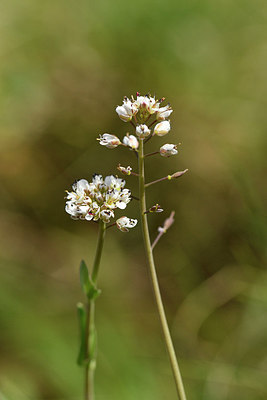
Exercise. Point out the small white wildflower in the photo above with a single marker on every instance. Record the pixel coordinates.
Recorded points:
(163, 113)
(131, 141)
(105, 215)
(127, 110)
(148, 103)
(124, 223)
(162, 128)
(142, 131)
(168, 150)
(97, 199)
(110, 141)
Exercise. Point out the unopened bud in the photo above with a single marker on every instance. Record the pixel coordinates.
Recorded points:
(142, 131)
(168, 150)
(131, 141)
(178, 174)
(162, 128)
(167, 223)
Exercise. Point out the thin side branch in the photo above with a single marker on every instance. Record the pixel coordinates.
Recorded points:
(151, 154)
(133, 124)
(167, 224)
(167, 178)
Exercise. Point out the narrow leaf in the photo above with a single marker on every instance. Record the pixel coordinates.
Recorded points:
(84, 277)
(87, 284)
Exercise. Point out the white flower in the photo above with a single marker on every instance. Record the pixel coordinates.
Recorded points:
(142, 131)
(105, 215)
(110, 141)
(127, 110)
(164, 112)
(162, 128)
(124, 223)
(131, 141)
(148, 103)
(97, 199)
(168, 150)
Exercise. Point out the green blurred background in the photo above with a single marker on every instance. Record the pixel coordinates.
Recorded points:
(64, 67)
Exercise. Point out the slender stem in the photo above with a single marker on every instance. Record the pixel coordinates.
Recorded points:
(100, 243)
(90, 322)
(159, 180)
(156, 289)
(111, 225)
(151, 154)
(157, 240)
(135, 198)
(152, 123)
(168, 177)
(149, 137)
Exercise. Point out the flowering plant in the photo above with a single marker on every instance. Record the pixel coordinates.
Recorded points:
(97, 201)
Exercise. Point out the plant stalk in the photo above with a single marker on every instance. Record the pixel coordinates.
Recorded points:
(90, 322)
(154, 279)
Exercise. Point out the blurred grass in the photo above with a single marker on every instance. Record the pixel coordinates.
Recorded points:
(64, 67)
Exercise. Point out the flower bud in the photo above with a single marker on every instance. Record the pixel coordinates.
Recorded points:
(167, 223)
(162, 128)
(110, 141)
(178, 174)
(124, 223)
(168, 150)
(163, 113)
(142, 131)
(131, 141)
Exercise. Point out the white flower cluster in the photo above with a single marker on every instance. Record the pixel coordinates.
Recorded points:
(141, 109)
(138, 111)
(98, 200)
(145, 105)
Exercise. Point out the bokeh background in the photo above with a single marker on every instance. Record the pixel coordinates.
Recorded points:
(64, 67)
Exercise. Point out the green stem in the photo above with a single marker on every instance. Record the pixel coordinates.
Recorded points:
(90, 322)
(153, 274)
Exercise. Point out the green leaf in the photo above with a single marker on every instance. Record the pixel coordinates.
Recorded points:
(82, 323)
(84, 277)
(87, 284)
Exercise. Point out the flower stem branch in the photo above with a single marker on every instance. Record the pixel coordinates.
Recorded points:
(167, 223)
(152, 123)
(135, 198)
(149, 137)
(111, 225)
(151, 154)
(168, 177)
(153, 274)
(90, 322)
